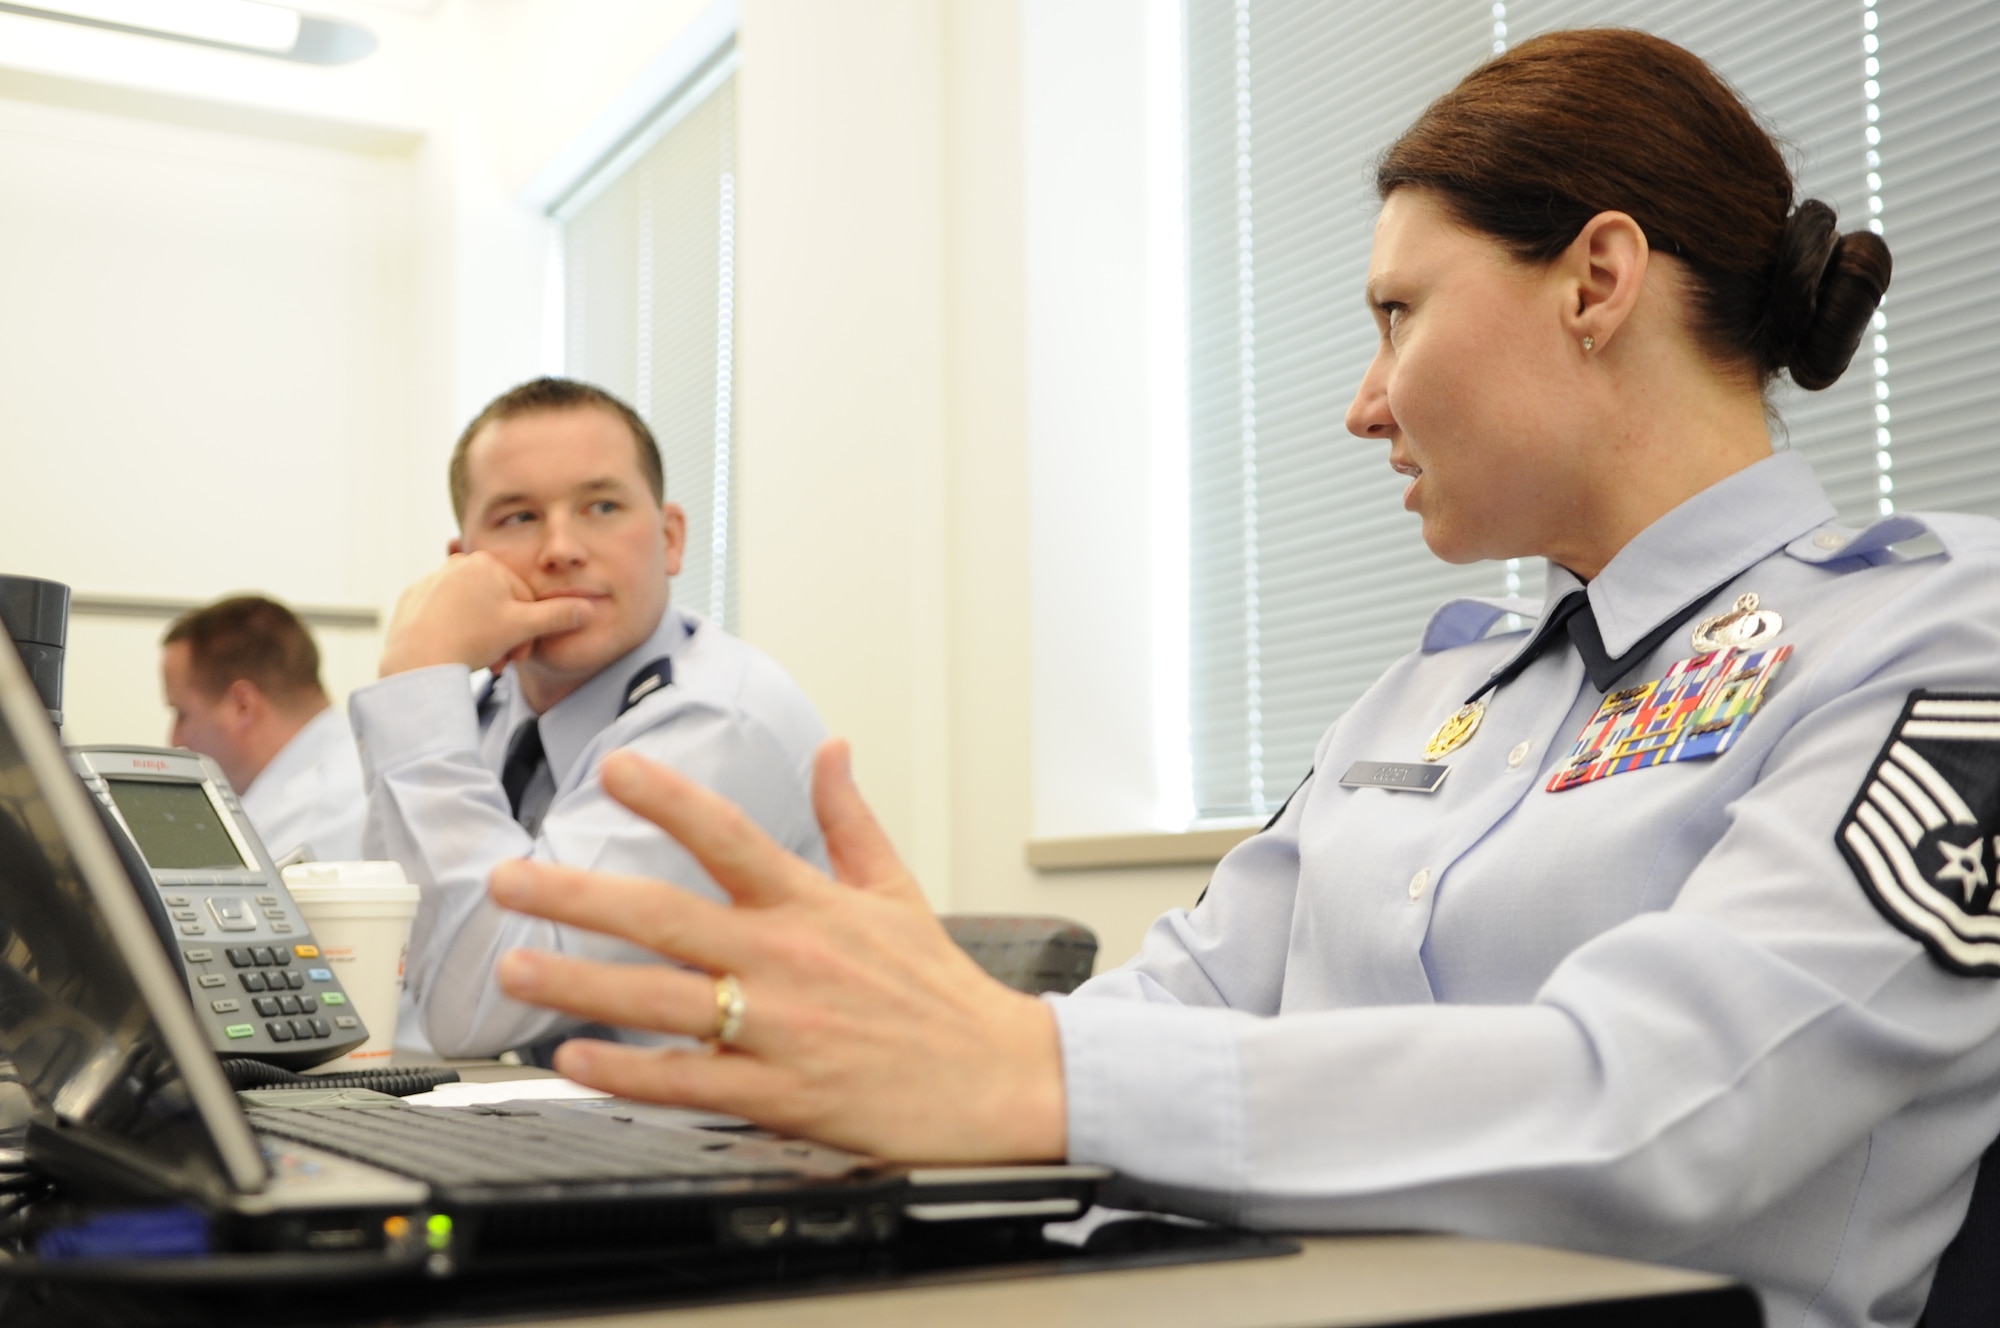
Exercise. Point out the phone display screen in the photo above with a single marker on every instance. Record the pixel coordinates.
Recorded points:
(175, 825)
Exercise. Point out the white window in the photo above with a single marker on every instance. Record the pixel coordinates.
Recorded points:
(1307, 576)
(648, 307)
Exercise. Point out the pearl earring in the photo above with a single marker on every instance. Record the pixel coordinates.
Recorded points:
(1590, 343)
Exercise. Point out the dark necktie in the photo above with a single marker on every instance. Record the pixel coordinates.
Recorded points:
(1573, 614)
(525, 759)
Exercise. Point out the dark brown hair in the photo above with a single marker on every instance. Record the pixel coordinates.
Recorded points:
(248, 636)
(547, 394)
(1536, 142)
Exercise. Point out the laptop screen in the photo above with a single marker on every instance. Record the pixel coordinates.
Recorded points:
(92, 1016)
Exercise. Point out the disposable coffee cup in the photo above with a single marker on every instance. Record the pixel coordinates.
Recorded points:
(360, 915)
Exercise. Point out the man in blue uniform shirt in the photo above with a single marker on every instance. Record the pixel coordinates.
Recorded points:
(557, 583)
(242, 678)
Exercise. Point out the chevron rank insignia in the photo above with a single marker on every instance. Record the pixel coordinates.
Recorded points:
(1921, 835)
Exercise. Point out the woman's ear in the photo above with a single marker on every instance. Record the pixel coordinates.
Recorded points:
(1602, 271)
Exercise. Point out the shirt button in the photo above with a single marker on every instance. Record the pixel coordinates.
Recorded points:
(1418, 882)
(1829, 540)
(1519, 754)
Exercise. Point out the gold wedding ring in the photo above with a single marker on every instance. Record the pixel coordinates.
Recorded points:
(729, 1009)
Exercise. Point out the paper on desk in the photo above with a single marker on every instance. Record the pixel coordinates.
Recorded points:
(506, 1090)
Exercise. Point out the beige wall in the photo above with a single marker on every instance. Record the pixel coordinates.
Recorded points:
(207, 351)
(886, 508)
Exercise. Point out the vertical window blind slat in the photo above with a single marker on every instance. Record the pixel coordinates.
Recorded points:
(649, 309)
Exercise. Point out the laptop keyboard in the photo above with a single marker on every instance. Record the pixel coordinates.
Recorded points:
(518, 1144)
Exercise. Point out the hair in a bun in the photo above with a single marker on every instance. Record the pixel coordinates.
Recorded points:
(1823, 293)
(1534, 143)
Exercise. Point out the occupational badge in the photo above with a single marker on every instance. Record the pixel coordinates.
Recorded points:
(1921, 835)
(1742, 626)
(1697, 710)
(1455, 732)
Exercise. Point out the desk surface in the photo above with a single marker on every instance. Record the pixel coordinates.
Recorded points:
(1336, 1281)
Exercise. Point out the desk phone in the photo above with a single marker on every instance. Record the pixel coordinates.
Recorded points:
(258, 982)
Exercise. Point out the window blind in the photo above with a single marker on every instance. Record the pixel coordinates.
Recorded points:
(649, 288)
(1307, 578)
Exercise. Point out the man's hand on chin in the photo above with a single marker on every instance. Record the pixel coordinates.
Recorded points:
(475, 612)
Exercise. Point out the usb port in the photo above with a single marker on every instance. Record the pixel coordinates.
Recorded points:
(827, 1224)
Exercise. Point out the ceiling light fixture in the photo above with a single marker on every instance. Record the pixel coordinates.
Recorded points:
(235, 25)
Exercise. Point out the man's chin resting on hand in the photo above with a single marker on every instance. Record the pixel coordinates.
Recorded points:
(558, 584)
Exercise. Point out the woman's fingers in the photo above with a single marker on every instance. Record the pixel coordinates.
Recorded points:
(728, 844)
(729, 1084)
(861, 854)
(663, 918)
(657, 999)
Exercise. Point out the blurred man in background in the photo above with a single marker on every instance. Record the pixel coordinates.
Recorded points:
(242, 678)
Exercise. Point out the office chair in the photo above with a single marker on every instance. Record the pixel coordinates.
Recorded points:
(1966, 1291)
(1027, 953)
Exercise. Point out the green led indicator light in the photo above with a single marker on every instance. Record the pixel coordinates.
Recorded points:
(439, 1227)
(241, 1030)
(332, 998)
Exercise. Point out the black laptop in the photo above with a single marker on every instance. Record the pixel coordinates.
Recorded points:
(149, 1155)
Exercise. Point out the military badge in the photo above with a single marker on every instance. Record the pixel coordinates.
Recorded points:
(1921, 833)
(1697, 710)
(1743, 625)
(1456, 731)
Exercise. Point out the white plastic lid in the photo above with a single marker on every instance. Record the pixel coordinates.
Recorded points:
(345, 873)
(342, 879)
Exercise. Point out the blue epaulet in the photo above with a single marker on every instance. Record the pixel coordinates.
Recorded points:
(1460, 622)
(1833, 541)
(658, 674)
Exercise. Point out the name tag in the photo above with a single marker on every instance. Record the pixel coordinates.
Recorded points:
(1390, 775)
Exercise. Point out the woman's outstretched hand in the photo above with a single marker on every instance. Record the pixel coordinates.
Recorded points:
(863, 1024)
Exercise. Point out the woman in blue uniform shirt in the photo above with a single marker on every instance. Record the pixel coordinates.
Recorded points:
(1660, 929)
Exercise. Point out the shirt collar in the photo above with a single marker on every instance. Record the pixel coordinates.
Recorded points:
(570, 724)
(305, 749)
(1700, 545)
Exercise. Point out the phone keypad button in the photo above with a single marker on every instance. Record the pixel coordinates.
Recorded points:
(280, 1030)
(252, 981)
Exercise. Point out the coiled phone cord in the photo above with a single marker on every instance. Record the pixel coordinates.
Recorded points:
(243, 1073)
